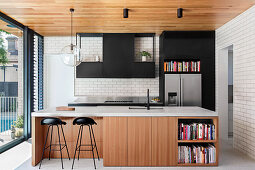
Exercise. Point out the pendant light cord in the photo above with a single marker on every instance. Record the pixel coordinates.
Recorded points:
(72, 11)
(71, 27)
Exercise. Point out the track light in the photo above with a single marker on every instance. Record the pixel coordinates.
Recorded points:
(125, 13)
(179, 12)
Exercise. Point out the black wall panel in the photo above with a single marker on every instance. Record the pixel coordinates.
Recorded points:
(192, 45)
(118, 52)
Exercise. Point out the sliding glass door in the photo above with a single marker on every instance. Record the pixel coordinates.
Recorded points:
(11, 84)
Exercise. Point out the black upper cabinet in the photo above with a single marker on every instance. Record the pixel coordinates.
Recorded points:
(118, 60)
(89, 70)
(118, 52)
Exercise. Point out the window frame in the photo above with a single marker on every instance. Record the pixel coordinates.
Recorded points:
(28, 52)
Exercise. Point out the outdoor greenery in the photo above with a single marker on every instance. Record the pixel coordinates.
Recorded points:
(19, 123)
(3, 52)
(145, 53)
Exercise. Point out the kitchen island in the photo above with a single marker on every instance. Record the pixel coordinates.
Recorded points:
(129, 137)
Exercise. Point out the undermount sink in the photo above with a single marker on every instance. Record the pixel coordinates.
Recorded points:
(143, 107)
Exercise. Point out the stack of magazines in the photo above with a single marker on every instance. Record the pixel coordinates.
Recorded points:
(196, 131)
(196, 154)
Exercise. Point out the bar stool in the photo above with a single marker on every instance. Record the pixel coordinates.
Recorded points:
(51, 122)
(85, 121)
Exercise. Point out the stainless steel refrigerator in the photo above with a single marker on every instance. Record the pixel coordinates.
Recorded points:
(183, 90)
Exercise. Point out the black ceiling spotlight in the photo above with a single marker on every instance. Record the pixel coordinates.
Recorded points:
(179, 12)
(125, 13)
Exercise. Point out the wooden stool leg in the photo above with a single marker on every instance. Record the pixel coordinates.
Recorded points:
(60, 148)
(65, 141)
(44, 146)
(76, 146)
(80, 142)
(92, 148)
(95, 142)
(50, 141)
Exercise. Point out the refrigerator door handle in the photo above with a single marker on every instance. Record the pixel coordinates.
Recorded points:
(182, 90)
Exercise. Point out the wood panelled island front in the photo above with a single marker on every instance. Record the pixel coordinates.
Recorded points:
(126, 140)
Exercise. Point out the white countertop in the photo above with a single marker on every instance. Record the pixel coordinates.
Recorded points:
(111, 111)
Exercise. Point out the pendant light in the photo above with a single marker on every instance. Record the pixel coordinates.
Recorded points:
(71, 54)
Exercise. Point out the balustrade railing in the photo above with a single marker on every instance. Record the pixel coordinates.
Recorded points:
(8, 113)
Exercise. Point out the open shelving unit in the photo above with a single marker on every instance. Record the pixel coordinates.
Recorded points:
(197, 141)
(188, 65)
(198, 164)
(215, 142)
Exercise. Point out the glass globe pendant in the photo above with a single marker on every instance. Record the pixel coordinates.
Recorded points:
(71, 54)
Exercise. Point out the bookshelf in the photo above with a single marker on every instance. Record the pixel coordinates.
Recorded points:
(197, 141)
(182, 66)
(197, 164)
(205, 143)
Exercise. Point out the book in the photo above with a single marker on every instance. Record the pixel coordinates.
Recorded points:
(181, 66)
(197, 154)
(196, 131)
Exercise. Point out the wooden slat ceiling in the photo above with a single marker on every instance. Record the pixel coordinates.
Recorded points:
(14, 31)
(52, 17)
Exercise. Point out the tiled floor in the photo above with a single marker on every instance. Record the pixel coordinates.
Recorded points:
(16, 156)
(229, 160)
(5, 137)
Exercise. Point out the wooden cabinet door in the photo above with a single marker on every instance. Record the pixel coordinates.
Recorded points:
(139, 141)
(115, 141)
(164, 141)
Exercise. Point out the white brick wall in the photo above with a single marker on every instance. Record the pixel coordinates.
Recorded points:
(240, 32)
(103, 86)
(91, 47)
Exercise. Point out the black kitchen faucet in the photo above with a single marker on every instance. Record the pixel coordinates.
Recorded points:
(148, 99)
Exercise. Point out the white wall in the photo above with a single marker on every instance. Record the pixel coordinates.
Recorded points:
(60, 82)
(240, 32)
(222, 97)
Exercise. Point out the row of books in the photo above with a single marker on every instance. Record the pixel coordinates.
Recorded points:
(184, 66)
(196, 154)
(196, 131)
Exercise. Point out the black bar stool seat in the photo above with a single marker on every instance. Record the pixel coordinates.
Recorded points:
(51, 122)
(85, 121)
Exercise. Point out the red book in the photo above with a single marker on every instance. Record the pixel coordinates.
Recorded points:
(203, 131)
(184, 132)
(187, 132)
(207, 134)
(181, 134)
